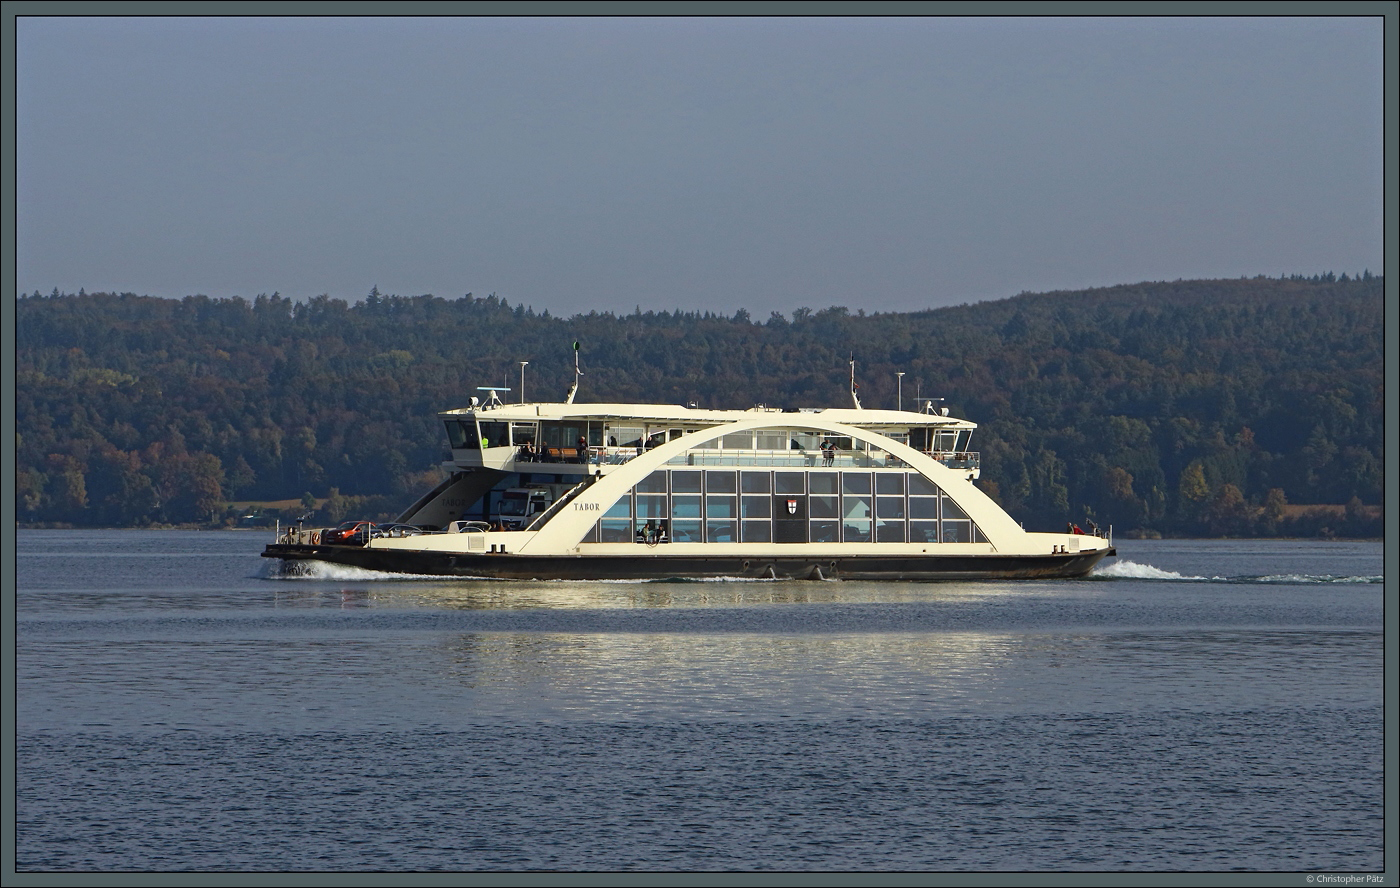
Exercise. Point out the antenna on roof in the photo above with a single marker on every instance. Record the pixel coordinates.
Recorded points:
(855, 398)
(573, 389)
(493, 396)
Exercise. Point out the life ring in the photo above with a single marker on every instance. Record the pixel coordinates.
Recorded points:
(315, 538)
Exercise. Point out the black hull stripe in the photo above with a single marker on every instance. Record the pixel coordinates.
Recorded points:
(645, 567)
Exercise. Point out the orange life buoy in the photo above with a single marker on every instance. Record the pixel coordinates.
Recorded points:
(315, 538)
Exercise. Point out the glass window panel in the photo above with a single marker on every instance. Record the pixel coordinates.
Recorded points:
(686, 531)
(889, 506)
(685, 482)
(824, 507)
(789, 482)
(686, 506)
(720, 507)
(523, 433)
(977, 536)
(458, 436)
(951, 510)
(825, 531)
(823, 482)
(923, 531)
(855, 506)
(620, 509)
(653, 483)
(757, 531)
(921, 486)
(497, 434)
(757, 482)
(923, 507)
(722, 531)
(592, 535)
(737, 441)
(720, 482)
(957, 531)
(615, 531)
(757, 507)
(650, 505)
(889, 532)
(855, 531)
(624, 436)
(646, 531)
(855, 482)
(771, 441)
(889, 482)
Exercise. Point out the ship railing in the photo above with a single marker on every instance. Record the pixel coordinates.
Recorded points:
(957, 459)
(296, 535)
(849, 459)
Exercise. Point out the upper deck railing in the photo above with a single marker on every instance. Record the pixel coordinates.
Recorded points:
(864, 459)
(566, 459)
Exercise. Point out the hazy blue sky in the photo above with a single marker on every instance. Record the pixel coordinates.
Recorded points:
(577, 164)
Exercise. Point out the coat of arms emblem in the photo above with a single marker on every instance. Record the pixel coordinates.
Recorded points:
(792, 507)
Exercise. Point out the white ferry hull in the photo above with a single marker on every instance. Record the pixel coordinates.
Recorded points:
(660, 566)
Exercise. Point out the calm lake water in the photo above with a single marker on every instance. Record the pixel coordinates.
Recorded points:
(1193, 705)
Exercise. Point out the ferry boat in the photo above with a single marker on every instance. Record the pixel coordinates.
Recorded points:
(636, 491)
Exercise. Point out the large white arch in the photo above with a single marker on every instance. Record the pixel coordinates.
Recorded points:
(567, 529)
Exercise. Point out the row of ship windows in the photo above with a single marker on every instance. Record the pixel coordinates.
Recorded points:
(721, 481)
(465, 434)
(785, 507)
(678, 530)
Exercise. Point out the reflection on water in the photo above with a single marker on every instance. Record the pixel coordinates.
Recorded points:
(905, 675)
(597, 595)
(612, 677)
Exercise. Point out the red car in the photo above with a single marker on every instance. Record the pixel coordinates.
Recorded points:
(350, 532)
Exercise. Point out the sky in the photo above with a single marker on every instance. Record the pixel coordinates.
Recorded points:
(883, 164)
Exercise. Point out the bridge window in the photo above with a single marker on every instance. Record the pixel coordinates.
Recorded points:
(462, 435)
(496, 434)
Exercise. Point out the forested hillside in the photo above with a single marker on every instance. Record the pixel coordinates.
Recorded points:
(1194, 407)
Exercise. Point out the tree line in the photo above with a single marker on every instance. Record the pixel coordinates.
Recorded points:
(1182, 408)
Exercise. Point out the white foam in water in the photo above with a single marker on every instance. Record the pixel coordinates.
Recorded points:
(1132, 570)
(323, 570)
(1306, 578)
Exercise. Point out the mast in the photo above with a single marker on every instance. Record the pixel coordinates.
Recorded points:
(855, 398)
(573, 389)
